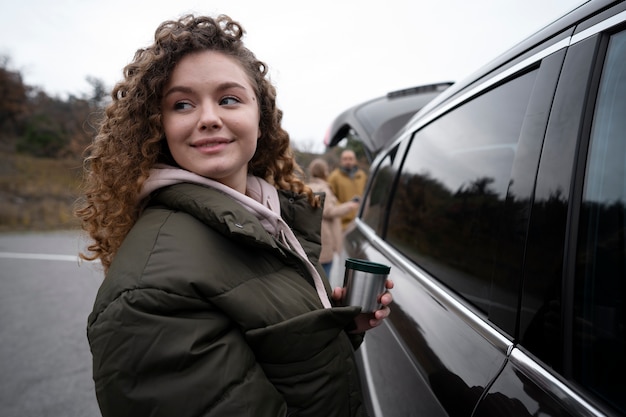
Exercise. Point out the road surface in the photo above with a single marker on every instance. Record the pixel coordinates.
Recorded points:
(45, 298)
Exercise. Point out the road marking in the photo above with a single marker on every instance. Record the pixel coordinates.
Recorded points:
(40, 256)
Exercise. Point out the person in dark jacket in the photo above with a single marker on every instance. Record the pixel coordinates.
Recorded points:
(212, 302)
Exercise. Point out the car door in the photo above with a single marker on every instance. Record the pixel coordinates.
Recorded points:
(436, 211)
(570, 358)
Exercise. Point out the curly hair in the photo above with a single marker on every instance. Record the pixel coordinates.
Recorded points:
(131, 139)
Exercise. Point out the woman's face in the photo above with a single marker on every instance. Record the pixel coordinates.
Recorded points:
(210, 115)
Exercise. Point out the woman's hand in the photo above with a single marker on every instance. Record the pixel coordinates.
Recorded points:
(367, 321)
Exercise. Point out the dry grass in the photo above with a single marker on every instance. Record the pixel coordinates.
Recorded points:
(37, 193)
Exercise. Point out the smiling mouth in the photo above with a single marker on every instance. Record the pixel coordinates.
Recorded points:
(211, 143)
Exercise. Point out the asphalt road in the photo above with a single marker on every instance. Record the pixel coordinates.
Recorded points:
(45, 298)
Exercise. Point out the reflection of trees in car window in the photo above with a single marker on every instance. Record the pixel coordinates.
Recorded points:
(445, 214)
(379, 193)
(599, 322)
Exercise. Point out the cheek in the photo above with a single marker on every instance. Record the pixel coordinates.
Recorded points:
(166, 124)
(173, 137)
(168, 142)
(253, 145)
(174, 130)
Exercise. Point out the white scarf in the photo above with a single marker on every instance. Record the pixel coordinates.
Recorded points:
(261, 200)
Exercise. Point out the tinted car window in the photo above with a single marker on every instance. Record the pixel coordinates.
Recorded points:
(379, 192)
(452, 189)
(546, 258)
(599, 322)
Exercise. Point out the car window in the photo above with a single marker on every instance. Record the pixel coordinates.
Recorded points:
(453, 185)
(599, 322)
(375, 206)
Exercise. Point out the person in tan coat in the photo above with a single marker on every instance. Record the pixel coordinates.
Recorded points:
(347, 182)
(333, 212)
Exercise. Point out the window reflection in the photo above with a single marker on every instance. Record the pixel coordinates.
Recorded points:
(378, 196)
(600, 314)
(446, 211)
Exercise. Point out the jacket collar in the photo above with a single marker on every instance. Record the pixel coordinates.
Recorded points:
(261, 200)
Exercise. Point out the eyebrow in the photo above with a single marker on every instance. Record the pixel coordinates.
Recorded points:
(221, 87)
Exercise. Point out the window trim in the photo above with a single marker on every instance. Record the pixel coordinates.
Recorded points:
(599, 27)
(552, 384)
(522, 66)
(440, 292)
(548, 50)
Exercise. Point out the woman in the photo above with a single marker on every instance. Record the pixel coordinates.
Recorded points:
(332, 214)
(212, 302)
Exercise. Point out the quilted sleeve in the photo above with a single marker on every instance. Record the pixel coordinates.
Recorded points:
(161, 354)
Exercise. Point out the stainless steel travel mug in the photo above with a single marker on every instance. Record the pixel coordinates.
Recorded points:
(364, 282)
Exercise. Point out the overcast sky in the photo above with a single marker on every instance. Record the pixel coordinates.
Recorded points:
(323, 55)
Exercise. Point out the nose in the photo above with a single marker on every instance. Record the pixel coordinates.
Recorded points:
(209, 116)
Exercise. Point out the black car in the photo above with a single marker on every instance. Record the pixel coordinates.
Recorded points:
(501, 209)
(375, 121)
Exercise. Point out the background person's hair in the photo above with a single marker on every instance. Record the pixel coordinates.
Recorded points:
(131, 137)
(318, 168)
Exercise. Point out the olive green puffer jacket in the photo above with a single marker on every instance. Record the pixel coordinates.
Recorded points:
(203, 313)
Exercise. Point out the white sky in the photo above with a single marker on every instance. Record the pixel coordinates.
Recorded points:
(323, 55)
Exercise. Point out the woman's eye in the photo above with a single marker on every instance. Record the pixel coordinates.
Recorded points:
(182, 105)
(229, 101)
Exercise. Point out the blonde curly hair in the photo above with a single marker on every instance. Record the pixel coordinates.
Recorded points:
(131, 139)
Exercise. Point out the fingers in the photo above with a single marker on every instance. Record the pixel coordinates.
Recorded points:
(367, 321)
(386, 299)
(375, 323)
(381, 314)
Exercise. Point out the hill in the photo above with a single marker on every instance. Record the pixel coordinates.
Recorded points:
(37, 193)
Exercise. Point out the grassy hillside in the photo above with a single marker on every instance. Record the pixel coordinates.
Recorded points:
(37, 193)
